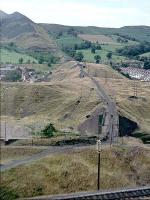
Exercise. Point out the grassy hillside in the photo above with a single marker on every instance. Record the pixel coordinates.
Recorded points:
(25, 34)
(35, 105)
(77, 171)
(68, 41)
(108, 43)
(137, 110)
(89, 57)
(9, 154)
(13, 57)
(140, 33)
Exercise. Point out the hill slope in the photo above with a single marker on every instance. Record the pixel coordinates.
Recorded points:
(68, 99)
(20, 30)
(140, 33)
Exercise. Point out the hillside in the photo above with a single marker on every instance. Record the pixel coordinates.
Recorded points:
(67, 99)
(38, 104)
(76, 170)
(27, 35)
(13, 57)
(140, 33)
(23, 32)
(18, 28)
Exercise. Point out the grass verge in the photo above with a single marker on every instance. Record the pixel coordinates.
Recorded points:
(11, 153)
(77, 171)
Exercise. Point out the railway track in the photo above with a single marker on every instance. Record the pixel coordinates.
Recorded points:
(126, 194)
(112, 117)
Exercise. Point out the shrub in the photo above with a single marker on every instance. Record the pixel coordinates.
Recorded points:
(97, 58)
(7, 194)
(20, 60)
(79, 56)
(49, 130)
(109, 55)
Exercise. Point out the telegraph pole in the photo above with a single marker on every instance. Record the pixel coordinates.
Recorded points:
(5, 132)
(99, 148)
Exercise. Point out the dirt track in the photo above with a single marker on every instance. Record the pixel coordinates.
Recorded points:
(44, 153)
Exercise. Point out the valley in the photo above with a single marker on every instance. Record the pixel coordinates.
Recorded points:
(63, 88)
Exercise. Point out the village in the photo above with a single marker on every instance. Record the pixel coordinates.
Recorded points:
(136, 73)
(24, 72)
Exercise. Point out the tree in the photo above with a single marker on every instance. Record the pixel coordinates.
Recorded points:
(49, 64)
(97, 58)
(75, 46)
(147, 64)
(98, 47)
(93, 49)
(79, 56)
(49, 130)
(109, 55)
(41, 60)
(20, 60)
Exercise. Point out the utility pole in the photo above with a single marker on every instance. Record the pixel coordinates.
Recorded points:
(111, 130)
(5, 132)
(99, 148)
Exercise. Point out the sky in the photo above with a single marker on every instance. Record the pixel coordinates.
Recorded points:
(102, 13)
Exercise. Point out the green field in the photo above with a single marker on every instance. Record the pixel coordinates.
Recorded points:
(13, 57)
(69, 41)
(89, 57)
(112, 47)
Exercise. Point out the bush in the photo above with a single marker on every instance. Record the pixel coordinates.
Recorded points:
(44, 57)
(7, 194)
(93, 49)
(49, 64)
(147, 64)
(20, 60)
(49, 130)
(97, 58)
(134, 50)
(79, 56)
